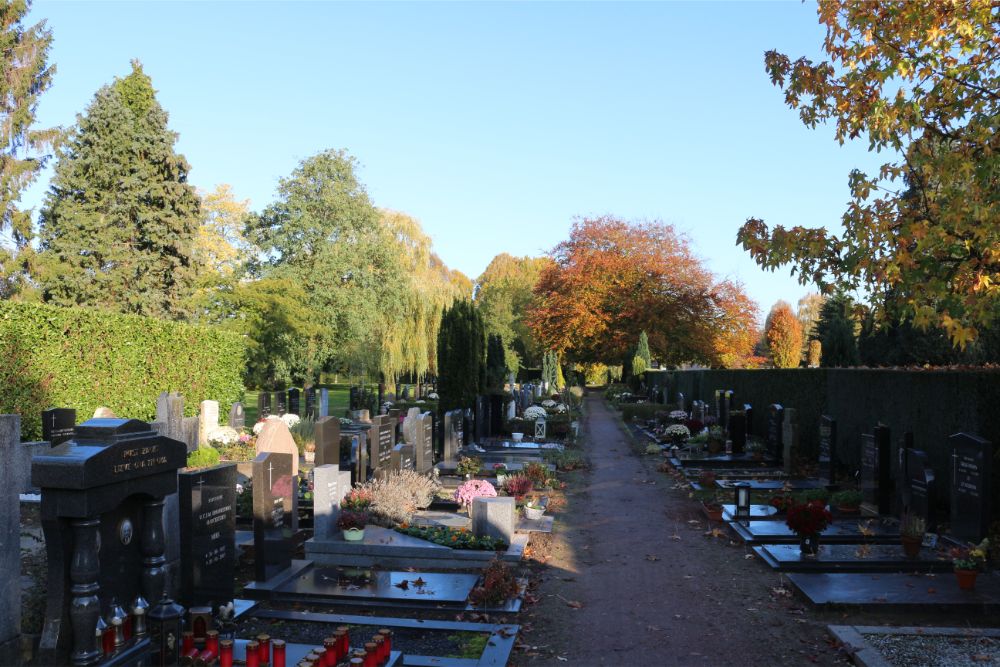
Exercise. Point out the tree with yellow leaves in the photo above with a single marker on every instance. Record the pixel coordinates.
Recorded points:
(920, 80)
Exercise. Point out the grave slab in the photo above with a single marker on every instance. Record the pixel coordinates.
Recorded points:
(851, 558)
(757, 512)
(846, 532)
(543, 525)
(772, 485)
(434, 518)
(887, 591)
(386, 586)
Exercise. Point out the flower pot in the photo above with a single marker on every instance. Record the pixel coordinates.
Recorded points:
(966, 579)
(354, 534)
(809, 544)
(911, 545)
(712, 511)
(517, 436)
(532, 514)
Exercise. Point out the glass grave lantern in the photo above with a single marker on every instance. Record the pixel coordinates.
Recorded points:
(164, 626)
(742, 501)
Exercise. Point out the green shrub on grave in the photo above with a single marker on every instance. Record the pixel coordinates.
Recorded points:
(203, 457)
(641, 410)
(83, 358)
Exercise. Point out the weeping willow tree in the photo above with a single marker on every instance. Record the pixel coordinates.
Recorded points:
(409, 328)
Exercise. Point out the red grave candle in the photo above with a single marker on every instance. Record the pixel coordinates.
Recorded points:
(278, 649)
(226, 653)
(253, 654)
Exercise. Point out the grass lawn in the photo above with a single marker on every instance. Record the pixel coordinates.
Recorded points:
(340, 395)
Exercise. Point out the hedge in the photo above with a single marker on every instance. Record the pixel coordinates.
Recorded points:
(83, 358)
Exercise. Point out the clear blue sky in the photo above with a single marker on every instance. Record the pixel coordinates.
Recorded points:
(493, 124)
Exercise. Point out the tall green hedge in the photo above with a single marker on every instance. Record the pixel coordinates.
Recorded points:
(83, 358)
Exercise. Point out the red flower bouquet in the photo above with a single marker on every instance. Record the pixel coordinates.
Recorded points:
(810, 518)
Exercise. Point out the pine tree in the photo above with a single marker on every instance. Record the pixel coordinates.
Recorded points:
(26, 75)
(496, 364)
(461, 356)
(120, 220)
(835, 331)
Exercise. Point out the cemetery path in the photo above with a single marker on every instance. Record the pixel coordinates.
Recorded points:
(635, 576)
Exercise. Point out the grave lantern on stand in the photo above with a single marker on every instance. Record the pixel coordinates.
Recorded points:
(164, 624)
(742, 501)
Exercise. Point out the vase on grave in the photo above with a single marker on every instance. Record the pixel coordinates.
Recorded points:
(911, 545)
(354, 534)
(966, 579)
(809, 544)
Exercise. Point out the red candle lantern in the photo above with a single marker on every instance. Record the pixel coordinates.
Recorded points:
(226, 653)
(253, 654)
(278, 648)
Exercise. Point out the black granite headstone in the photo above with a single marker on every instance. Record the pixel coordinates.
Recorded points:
(208, 535)
(900, 475)
(828, 448)
(748, 411)
(263, 405)
(482, 418)
(971, 486)
(295, 401)
(876, 466)
(58, 425)
(327, 437)
(354, 401)
(424, 449)
(237, 416)
(274, 501)
(738, 431)
(775, 431)
(311, 404)
(496, 415)
(279, 406)
(382, 442)
(727, 403)
(102, 513)
(919, 481)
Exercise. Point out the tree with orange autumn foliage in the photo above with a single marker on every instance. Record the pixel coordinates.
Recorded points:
(612, 279)
(784, 336)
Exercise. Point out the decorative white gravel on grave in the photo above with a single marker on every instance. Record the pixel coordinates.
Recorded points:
(936, 651)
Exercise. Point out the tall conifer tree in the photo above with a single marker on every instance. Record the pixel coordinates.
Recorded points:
(120, 219)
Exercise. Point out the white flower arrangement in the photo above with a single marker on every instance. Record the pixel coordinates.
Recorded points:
(561, 407)
(677, 431)
(223, 435)
(678, 414)
(259, 426)
(548, 403)
(433, 396)
(534, 412)
(290, 419)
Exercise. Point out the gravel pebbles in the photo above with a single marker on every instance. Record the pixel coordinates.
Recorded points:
(936, 651)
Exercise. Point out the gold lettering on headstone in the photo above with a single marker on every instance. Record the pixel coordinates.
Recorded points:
(139, 458)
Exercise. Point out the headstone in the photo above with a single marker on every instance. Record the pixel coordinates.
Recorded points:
(237, 417)
(451, 445)
(920, 483)
(327, 437)
(482, 418)
(275, 437)
(354, 401)
(10, 541)
(102, 514)
(790, 438)
(275, 504)
(191, 426)
(971, 486)
(511, 410)
(410, 426)
(311, 403)
(402, 458)
(775, 424)
(323, 407)
(207, 535)
(208, 420)
(717, 406)
(494, 517)
(279, 405)
(330, 485)
(496, 415)
(424, 449)
(899, 452)
(680, 402)
(170, 411)
(876, 464)
(295, 401)
(359, 456)
(58, 425)
(828, 448)
(263, 405)
(362, 416)
(727, 405)
(748, 411)
(738, 432)
(540, 428)
(382, 441)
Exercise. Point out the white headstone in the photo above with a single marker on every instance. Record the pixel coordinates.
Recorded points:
(208, 420)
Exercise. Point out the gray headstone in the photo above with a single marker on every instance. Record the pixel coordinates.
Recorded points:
(279, 404)
(402, 458)
(323, 406)
(383, 440)
(424, 448)
(327, 436)
(263, 405)
(10, 540)
(208, 420)
(237, 417)
(295, 401)
(494, 517)
(828, 448)
(170, 411)
(330, 485)
(876, 465)
(190, 426)
(775, 431)
(789, 438)
(680, 401)
(310, 394)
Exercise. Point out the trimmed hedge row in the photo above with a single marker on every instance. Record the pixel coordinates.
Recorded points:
(83, 358)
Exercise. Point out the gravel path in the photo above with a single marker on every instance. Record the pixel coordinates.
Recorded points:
(634, 579)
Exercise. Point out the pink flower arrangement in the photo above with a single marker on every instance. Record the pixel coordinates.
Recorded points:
(472, 489)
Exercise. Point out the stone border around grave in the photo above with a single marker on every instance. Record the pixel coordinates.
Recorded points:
(866, 655)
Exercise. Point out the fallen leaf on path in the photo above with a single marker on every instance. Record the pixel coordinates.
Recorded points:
(676, 537)
(651, 557)
(575, 604)
(748, 556)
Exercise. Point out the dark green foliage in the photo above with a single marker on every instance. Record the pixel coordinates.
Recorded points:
(835, 330)
(84, 358)
(26, 75)
(461, 356)
(118, 225)
(902, 344)
(496, 364)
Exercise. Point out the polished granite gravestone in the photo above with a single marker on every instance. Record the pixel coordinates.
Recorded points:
(207, 535)
(852, 558)
(295, 401)
(382, 441)
(310, 396)
(723, 461)
(972, 486)
(237, 416)
(919, 483)
(898, 591)
(326, 434)
(828, 448)
(102, 513)
(738, 432)
(275, 505)
(862, 531)
(263, 405)
(323, 403)
(757, 512)
(423, 449)
(58, 425)
(876, 469)
(402, 458)
(775, 432)
(279, 403)
(772, 485)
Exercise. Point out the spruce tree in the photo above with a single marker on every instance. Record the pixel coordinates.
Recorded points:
(119, 221)
(26, 75)
(461, 356)
(496, 364)
(835, 331)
